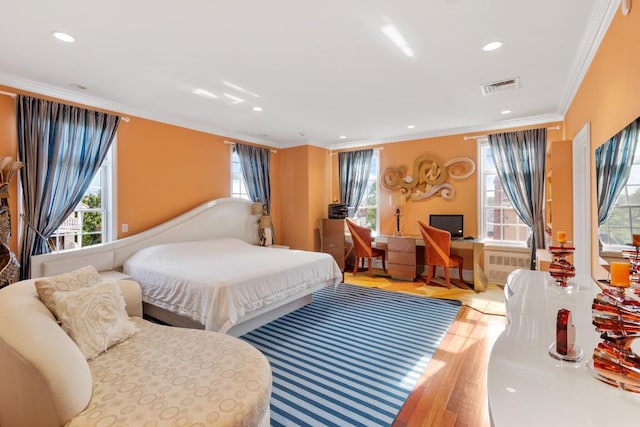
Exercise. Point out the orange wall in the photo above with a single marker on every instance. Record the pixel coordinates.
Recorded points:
(304, 183)
(162, 170)
(465, 200)
(608, 97)
(165, 170)
(9, 148)
(318, 185)
(562, 188)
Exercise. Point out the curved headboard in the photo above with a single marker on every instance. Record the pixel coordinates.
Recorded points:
(227, 217)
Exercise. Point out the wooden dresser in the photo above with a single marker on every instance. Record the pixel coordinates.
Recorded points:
(332, 239)
(401, 256)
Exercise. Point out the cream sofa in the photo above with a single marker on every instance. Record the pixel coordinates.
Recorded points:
(161, 375)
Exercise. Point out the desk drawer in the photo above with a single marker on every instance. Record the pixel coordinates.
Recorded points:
(403, 258)
(402, 271)
(400, 244)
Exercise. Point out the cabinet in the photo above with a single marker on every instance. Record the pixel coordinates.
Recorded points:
(558, 194)
(401, 256)
(332, 239)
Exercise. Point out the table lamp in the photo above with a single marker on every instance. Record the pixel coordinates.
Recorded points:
(397, 201)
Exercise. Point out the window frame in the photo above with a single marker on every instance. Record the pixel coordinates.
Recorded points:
(629, 207)
(236, 178)
(374, 173)
(108, 209)
(482, 144)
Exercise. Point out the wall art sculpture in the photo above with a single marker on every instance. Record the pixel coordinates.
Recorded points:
(428, 177)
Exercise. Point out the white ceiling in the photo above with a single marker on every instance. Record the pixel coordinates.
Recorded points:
(318, 69)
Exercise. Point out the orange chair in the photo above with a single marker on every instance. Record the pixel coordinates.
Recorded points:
(361, 237)
(437, 244)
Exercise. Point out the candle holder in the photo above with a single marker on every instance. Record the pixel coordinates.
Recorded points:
(616, 315)
(561, 268)
(633, 257)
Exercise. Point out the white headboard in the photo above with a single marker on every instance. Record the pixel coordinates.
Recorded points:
(228, 217)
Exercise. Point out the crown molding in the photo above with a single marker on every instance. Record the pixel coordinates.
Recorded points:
(501, 125)
(120, 109)
(601, 17)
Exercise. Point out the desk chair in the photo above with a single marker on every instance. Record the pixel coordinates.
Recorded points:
(361, 237)
(437, 244)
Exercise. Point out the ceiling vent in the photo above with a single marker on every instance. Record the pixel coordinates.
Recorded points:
(501, 86)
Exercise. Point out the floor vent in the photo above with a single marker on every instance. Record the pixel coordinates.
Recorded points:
(499, 264)
(501, 86)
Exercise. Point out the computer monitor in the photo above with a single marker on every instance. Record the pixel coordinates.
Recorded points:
(454, 224)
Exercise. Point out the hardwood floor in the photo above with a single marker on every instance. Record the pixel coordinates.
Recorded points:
(452, 390)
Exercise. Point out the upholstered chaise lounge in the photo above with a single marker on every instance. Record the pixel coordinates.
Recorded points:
(160, 375)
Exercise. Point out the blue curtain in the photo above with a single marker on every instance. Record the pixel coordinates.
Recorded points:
(614, 159)
(255, 167)
(520, 162)
(62, 148)
(353, 173)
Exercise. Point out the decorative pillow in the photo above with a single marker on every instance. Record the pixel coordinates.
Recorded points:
(94, 317)
(84, 276)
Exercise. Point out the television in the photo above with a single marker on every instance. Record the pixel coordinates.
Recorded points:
(454, 224)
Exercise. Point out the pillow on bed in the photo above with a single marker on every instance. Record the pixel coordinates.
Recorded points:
(94, 317)
(85, 276)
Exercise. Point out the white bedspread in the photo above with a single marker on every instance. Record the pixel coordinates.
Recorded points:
(217, 282)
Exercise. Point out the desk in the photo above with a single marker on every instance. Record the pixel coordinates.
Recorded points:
(476, 246)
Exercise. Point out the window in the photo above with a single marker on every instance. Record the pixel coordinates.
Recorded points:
(90, 222)
(367, 213)
(498, 220)
(625, 216)
(238, 189)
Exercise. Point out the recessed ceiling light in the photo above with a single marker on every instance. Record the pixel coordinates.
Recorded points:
(239, 88)
(394, 35)
(411, 126)
(343, 137)
(63, 36)
(505, 112)
(257, 108)
(492, 46)
(204, 93)
(234, 99)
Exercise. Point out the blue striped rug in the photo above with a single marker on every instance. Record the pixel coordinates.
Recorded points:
(352, 357)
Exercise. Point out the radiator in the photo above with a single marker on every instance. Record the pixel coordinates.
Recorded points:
(498, 264)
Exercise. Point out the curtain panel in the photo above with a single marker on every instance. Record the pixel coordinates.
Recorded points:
(62, 148)
(614, 159)
(353, 173)
(519, 158)
(255, 165)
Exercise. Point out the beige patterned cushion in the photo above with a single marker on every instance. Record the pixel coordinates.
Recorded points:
(167, 376)
(84, 276)
(94, 317)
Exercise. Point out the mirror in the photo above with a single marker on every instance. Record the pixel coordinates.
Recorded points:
(618, 172)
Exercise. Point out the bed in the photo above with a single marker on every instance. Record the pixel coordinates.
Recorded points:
(204, 269)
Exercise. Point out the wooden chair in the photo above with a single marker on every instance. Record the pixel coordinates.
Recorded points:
(437, 246)
(361, 237)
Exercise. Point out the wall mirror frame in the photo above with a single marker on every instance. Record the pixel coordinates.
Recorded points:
(581, 159)
(610, 245)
